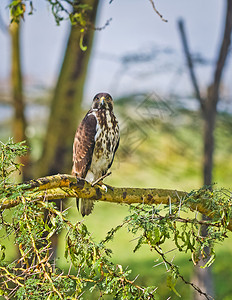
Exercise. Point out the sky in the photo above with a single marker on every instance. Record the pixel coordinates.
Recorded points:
(134, 29)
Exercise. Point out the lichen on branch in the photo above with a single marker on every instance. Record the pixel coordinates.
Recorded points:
(63, 186)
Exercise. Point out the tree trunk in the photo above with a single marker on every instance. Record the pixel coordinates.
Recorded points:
(66, 103)
(209, 115)
(19, 120)
(203, 276)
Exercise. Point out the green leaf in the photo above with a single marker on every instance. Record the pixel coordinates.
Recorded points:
(83, 48)
(211, 260)
(171, 282)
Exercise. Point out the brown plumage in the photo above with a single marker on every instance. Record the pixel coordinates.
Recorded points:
(95, 143)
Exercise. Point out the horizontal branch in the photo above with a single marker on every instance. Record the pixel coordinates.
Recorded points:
(63, 186)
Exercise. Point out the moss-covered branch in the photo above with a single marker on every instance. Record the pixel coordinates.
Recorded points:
(63, 186)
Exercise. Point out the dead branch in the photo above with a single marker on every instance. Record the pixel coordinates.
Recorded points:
(223, 52)
(153, 5)
(190, 63)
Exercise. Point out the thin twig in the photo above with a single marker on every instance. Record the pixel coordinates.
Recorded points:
(171, 265)
(190, 63)
(153, 5)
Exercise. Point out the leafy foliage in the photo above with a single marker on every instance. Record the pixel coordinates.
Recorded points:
(154, 226)
(157, 228)
(77, 12)
(33, 274)
(34, 222)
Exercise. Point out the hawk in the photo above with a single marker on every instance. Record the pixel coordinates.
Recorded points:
(95, 143)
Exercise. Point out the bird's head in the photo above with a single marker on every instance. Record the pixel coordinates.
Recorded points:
(102, 101)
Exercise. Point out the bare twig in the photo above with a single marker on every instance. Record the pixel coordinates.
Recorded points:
(172, 267)
(190, 63)
(107, 23)
(153, 5)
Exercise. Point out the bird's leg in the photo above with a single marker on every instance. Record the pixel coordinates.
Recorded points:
(101, 178)
(77, 199)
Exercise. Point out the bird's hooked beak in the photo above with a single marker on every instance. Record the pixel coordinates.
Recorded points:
(102, 101)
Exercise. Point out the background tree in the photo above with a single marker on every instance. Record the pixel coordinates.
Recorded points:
(19, 120)
(208, 107)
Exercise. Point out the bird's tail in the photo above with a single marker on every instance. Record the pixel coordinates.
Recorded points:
(86, 206)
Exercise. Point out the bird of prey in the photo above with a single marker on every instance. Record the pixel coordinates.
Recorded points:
(95, 143)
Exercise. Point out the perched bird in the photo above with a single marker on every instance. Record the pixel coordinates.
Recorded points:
(95, 143)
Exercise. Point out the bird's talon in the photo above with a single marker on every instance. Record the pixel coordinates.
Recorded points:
(104, 187)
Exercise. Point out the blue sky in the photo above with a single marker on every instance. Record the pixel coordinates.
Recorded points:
(135, 28)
